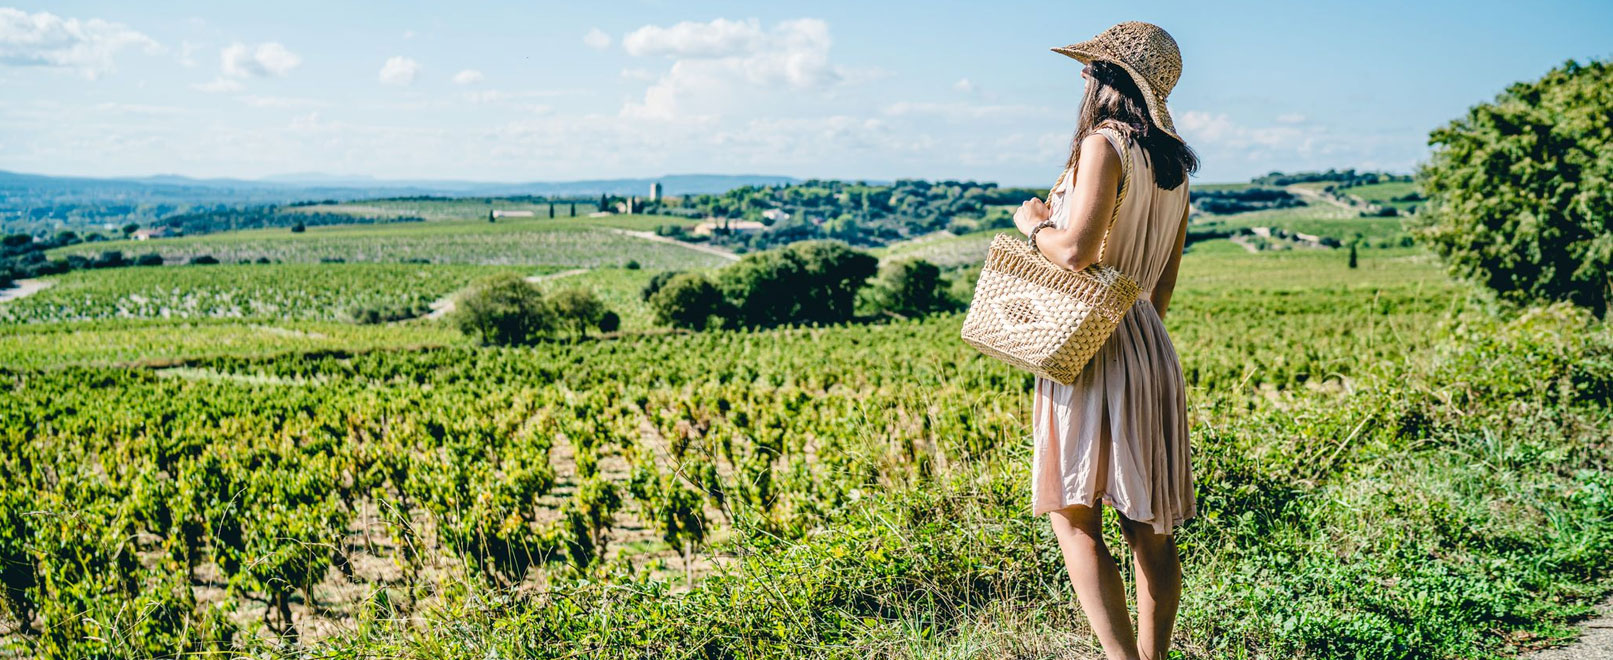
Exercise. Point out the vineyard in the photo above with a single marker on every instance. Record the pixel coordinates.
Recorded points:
(572, 243)
(237, 456)
(269, 292)
(362, 488)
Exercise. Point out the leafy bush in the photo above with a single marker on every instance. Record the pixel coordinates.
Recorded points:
(1518, 190)
(198, 260)
(504, 309)
(577, 309)
(688, 301)
(378, 314)
(806, 282)
(910, 287)
(657, 281)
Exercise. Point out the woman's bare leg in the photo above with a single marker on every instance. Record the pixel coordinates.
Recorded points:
(1096, 578)
(1159, 586)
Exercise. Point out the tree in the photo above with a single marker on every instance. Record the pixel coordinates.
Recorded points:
(1519, 190)
(910, 287)
(610, 322)
(806, 282)
(1352, 255)
(657, 281)
(551, 210)
(578, 309)
(504, 309)
(573, 209)
(130, 228)
(688, 300)
(299, 228)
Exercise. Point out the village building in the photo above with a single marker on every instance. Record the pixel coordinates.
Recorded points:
(148, 234)
(776, 215)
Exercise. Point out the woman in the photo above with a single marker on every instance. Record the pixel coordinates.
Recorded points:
(1118, 434)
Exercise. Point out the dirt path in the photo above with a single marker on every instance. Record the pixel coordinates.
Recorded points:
(650, 236)
(23, 289)
(445, 305)
(1595, 641)
(1313, 196)
(1241, 240)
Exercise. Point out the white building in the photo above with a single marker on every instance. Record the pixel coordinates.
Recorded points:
(776, 215)
(655, 191)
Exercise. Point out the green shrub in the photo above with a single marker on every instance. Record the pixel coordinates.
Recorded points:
(910, 288)
(505, 309)
(1518, 190)
(806, 282)
(577, 309)
(689, 300)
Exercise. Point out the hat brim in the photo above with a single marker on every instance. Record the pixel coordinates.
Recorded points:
(1087, 51)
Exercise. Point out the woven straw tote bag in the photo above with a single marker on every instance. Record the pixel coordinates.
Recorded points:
(1044, 318)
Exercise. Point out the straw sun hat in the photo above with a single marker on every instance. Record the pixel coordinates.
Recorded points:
(1144, 50)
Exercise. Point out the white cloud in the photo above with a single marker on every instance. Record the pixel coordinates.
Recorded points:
(408, 34)
(47, 40)
(186, 51)
(642, 75)
(399, 70)
(239, 60)
(722, 61)
(468, 77)
(279, 101)
(1291, 118)
(953, 110)
(596, 39)
(219, 84)
(963, 85)
(719, 38)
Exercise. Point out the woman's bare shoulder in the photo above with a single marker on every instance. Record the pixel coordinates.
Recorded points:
(1098, 154)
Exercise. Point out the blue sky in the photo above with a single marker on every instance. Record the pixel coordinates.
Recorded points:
(507, 91)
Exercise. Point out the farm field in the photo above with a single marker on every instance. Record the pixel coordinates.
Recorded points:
(860, 486)
(583, 242)
(1385, 193)
(263, 292)
(427, 477)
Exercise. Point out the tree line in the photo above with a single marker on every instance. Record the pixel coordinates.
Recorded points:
(811, 282)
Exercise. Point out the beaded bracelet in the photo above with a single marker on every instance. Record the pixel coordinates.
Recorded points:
(1045, 224)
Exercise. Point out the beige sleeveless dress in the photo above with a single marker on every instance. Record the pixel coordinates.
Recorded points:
(1119, 432)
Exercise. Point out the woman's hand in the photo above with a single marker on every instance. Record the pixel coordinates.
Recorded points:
(1033, 212)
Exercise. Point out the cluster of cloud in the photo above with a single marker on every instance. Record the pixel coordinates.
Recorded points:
(239, 60)
(399, 70)
(712, 94)
(717, 61)
(47, 40)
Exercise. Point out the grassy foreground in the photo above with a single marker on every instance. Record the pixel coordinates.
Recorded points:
(1456, 503)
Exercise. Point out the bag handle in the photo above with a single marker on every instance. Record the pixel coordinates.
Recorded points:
(1118, 142)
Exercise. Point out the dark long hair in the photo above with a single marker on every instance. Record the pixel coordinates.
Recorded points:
(1113, 100)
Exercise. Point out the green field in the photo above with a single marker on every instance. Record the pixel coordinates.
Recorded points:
(583, 242)
(262, 292)
(1385, 193)
(1388, 464)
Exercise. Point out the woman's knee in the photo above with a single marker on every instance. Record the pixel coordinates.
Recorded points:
(1087, 520)
(1143, 539)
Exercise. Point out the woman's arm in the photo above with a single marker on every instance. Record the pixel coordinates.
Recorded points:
(1167, 279)
(1092, 201)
